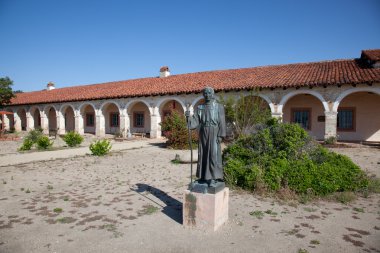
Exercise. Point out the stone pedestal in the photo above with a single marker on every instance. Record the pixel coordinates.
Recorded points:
(205, 211)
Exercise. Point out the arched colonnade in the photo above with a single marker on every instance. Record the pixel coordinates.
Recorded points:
(350, 113)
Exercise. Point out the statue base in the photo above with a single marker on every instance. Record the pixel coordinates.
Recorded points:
(205, 211)
(199, 187)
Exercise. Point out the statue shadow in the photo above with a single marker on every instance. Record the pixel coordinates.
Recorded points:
(159, 145)
(173, 208)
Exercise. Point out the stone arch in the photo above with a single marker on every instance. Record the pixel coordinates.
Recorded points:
(68, 113)
(163, 101)
(266, 99)
(358, 117)
(48, 107)
(166, 105)
(64, 107)
(306, 108)
(135, 101)
(260, 95)
(350, 91)
(51, 114)
(87, 111)
(263, 100)
(35, 117)
(140, 113)
(9, 120)
(110, 102)
(21, 112)
(81, 107)
(299, 92)
(111, 112)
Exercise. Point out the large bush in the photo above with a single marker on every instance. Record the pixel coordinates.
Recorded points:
(174, 128)
(73, 139)
(284, 156)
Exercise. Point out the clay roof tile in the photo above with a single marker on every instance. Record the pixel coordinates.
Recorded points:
(290, 75)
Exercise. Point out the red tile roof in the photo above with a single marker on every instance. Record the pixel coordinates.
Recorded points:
(373, 55)
(290, 75)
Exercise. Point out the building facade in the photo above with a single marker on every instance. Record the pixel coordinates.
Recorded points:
(329, 99)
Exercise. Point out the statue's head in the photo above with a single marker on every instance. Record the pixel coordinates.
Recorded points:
(208, 94)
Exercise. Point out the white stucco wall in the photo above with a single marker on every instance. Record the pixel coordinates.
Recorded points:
(140, 107)
(316, 109)
(107, 110)
(88, 109)
(367, 117)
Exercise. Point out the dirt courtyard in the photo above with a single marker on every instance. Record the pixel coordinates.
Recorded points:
(131, 201)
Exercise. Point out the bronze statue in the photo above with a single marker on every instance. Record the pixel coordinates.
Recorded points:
(209, 120)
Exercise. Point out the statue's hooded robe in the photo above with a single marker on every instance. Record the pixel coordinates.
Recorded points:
(209, 119)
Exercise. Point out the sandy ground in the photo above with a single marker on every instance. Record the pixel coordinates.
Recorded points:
(131, 201)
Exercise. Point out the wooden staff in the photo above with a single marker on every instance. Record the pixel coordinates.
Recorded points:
(191, 149)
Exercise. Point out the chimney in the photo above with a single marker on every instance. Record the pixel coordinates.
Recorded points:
(50, 86)
(371, 57)
(164, 71)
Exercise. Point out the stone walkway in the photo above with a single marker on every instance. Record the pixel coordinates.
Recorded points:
(19, 158)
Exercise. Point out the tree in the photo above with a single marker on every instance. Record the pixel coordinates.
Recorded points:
(174, 128)
(244, 113)
(6, 93)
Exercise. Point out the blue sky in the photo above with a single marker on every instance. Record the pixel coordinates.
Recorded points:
(75, 42)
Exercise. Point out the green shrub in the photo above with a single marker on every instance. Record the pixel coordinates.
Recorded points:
(174, 128)
(73, 139)
(281, 156)
(374, 185)
(331, 140)
(34, 135)
(26, 145)
(344, 197)
(31, 138)
(44, 142)
(100, 147)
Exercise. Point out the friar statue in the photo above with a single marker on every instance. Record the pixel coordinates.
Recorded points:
(209, 120)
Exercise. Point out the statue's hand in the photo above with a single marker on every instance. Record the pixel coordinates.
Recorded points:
(220, 139)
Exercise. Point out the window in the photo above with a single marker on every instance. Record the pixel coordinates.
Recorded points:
(346, 119)
(138, 119)
(302, 116)
(90, 119)
(114, 119)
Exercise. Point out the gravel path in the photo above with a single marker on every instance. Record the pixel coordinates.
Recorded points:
(131, 201)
